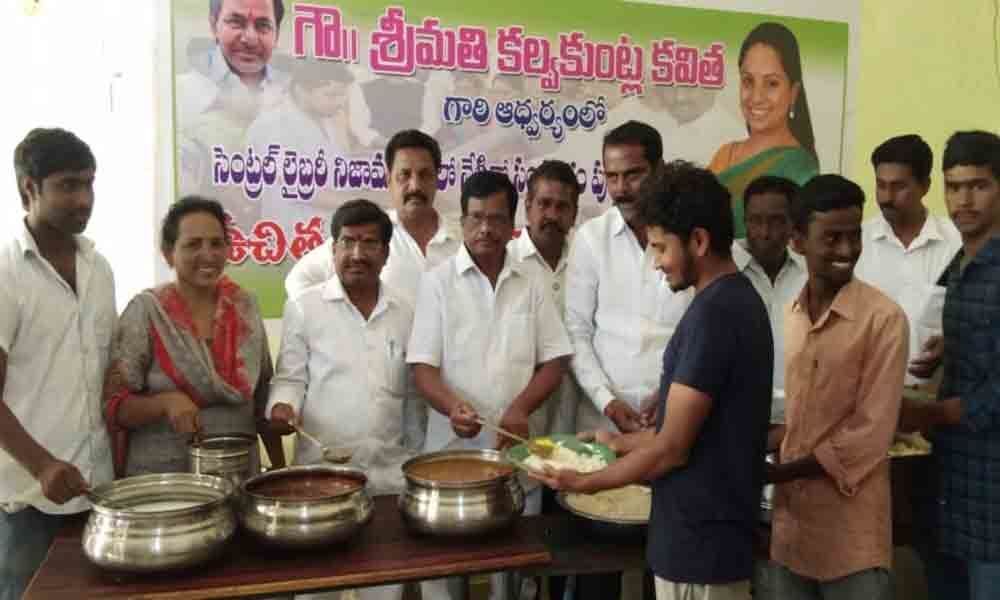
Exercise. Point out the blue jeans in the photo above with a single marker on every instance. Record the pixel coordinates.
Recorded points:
(25, 537)
(950, 578)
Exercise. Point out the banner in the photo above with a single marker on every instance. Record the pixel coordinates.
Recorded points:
(283, 109)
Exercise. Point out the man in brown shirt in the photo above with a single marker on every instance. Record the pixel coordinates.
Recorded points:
(846, 347)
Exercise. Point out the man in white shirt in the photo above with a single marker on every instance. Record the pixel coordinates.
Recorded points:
(775, 272)
(778, 275)
(421, 239)
(341, 371)
(487, 340)
(542, 249)
(905, 249)
(57, 313)
(620, 312)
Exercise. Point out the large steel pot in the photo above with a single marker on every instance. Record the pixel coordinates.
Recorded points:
(452, 509)
(234, 456)
(304, 523)
(161, 522)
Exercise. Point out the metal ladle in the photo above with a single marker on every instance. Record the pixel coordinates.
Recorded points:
(334, 455)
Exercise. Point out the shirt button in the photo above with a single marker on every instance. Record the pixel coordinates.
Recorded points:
(556, 286)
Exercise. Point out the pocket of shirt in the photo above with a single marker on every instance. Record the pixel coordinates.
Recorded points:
(394, 365)
(520, 346)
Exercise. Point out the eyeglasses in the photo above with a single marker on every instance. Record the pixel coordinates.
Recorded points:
(476, 220)
(368, 246)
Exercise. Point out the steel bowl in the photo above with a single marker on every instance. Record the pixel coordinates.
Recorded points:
(234, 456)
(305, 523)
(160, 522)
(601, 526)
(459, 509)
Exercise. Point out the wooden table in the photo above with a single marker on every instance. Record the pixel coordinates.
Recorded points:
(385, 552)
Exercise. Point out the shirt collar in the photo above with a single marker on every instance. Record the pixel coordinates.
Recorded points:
(744, 260)
(84, 246)
(845, 303)
(618, 224)
(333, 291)
(464, 262)
(930, 231)
(524, 248)
(440, 236)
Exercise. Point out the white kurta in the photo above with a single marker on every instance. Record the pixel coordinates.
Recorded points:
(487, 342)
(346, 377)
(909, 275)
(558, 414)
(776, 295)
(620, 313)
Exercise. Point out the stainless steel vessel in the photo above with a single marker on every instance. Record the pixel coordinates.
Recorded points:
(233, 456)
(453, 509)
(161, 522)
(303, 523)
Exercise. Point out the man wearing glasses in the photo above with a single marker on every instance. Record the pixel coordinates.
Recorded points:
(487, 339)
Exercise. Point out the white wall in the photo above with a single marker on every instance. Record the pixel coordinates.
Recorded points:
(88, 66)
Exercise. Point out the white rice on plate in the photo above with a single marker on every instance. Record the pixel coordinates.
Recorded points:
(564, 458)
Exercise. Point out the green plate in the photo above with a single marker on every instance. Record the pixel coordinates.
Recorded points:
(519, 453)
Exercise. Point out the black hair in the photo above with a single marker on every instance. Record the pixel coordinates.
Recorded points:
(46, 151)
(824, 193)
(910, 150)
(771, 184)
(189, 205)
(215, 7)
(679, 196)
(412, 138)
(484, 183)
(975, 149)
(782, 40)
(558, 171)
(361, 212)
(636, 133)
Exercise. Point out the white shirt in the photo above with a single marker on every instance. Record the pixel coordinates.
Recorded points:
(402, 270)
(620, 313)
(776, 295)
(487, 342)
(57, 343)
(198, 89)
(558, 414)
(344, 375)
(909, 275)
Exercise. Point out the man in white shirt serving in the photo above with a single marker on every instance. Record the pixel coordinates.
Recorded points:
(341, 371)
(57, 314)
(905, 249)
(487, 340)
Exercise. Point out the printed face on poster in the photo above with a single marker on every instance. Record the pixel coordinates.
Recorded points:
(283, 109)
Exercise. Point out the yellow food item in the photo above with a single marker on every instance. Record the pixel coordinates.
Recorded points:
(912, 444)
(629, 503)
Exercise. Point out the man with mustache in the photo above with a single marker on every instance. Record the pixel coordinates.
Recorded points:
(905, 248)
(341, 370)
(965, 419)
(620, 311)
(845, 358)
(421, 239)
(487, 339)
(550, 208)
(57, 314)
(246, 34)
